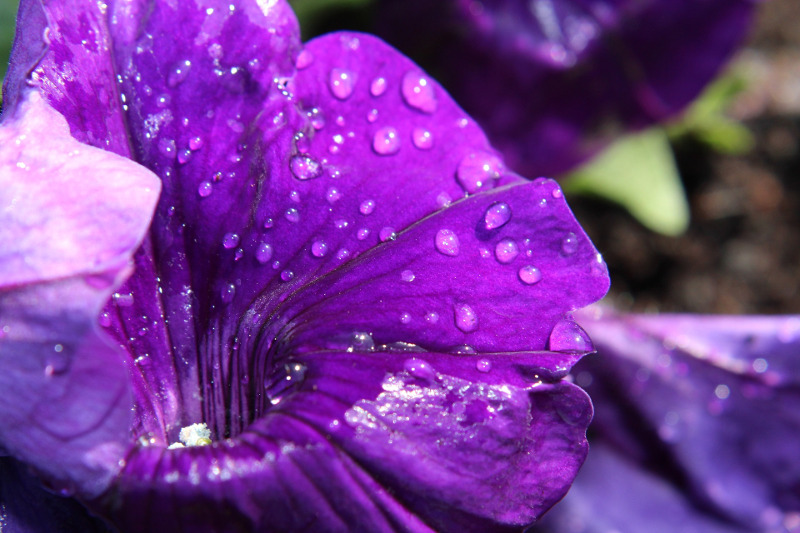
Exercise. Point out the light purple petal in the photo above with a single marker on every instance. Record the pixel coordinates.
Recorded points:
(58, 264)
(700, 413)
(553, 81)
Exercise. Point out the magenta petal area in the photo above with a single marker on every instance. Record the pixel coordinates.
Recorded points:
(58, 264)
(696, 425)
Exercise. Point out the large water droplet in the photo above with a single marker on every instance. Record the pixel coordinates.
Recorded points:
(420, 368)
(570, 244)
(292, 215)
(367, 207)
(304, 59)
(319, 248)
(230, 240)
(506, 251)
(361, 342)
(407, 275)
(497, 215)
(478, 170)
(568, 337)
(386, 141)
(387, 234)
(378, 86)
(263, 253)
(465, 318)
(304, 167)
(341, 83)
(446, 242)
(179, 73)
(422, 138)
(529, 274)
(204, 189)
(418, 91)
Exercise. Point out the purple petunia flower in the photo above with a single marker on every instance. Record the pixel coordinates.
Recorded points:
(342, 312)
(554, 81)
(696, 426)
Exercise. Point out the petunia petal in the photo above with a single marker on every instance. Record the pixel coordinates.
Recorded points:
(373, 440)
(699, 412)
(552, 82)
(58, 264)
(26, 507)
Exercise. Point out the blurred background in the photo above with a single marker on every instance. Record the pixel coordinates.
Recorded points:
(725, 236)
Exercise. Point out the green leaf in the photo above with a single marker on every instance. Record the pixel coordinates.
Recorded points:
(639, 173)
(8, 10)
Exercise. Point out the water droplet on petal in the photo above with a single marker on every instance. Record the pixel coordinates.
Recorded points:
(506, 251)
(341, 83)
(405, 318)
(184, 156)
(333, 195)
(362, 234)
(478, 170)
(342, 254)
(529, 274)
(497, 215)
(304, 59)
(286, 275)
(557, 193)
(407, 275)
(263, 253)
(377, 87)
(446, 242)
(568, 337)
(292, 215)
(268, 223)
(227, 293)
(304, 167)
(570, 244)
(179, 73)
(341, 223)
(387, 234)
(195, 143)
(422, 138)
(230, 240)
(432, 317)
(372, 116)
(319, 248)
(204, 189)
(443, 200)
(166, 147)
(386, 141)
(483, 365)
(418, 91)
(367, 207)
(465, 318)
(361, 342)
(420, 368)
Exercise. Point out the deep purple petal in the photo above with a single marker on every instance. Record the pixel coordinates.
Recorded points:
(554, 81)
(58, 264)
(366, 441)
(699, 412)
(305, 215)
(26, 507)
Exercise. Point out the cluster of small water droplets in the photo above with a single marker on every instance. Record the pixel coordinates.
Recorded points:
(418, 91)
(446, 242)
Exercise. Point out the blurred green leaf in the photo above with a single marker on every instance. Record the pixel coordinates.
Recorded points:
(639, 173)
(8, 12)
(706, 118)
(311, 13)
